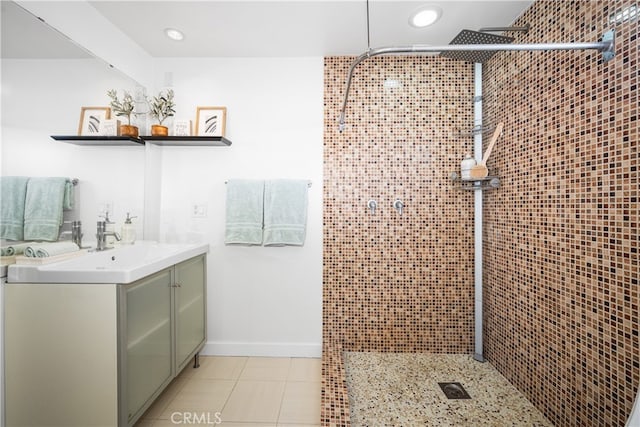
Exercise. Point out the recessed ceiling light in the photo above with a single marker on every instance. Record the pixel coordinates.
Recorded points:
(425, 16)
(174, 34)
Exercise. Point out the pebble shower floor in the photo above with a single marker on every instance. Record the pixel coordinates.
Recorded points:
(401, 389)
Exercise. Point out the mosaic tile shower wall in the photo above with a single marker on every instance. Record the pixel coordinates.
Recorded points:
(396, 282)
(561, 234)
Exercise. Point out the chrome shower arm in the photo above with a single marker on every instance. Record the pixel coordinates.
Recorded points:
(606, 46)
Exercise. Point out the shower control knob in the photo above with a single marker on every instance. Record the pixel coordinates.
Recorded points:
(372, 205)
(398, 205)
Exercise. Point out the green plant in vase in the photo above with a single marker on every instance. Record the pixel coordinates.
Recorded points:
(161, 107)
(124, 108)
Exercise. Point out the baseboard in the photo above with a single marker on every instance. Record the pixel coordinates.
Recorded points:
(218, 348)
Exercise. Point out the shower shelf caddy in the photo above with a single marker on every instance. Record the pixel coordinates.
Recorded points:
(490, 182)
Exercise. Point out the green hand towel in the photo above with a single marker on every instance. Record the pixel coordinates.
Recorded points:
(244, 212)
(44, 250)
(14, 249)
(43, 208)
(13, 191)
(285, 212)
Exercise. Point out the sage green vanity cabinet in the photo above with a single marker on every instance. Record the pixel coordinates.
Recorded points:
(190, 309)
(100, 354)
(147, 329)
(165, 327)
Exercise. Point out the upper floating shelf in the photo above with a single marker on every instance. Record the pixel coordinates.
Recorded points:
(99, 140)
(193, 141)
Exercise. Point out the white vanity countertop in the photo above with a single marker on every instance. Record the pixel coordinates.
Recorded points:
(121, 265)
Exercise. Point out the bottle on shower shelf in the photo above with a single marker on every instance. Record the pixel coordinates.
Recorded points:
(465, 166)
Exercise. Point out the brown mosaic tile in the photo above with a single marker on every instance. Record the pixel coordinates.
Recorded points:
(334, 411)
(561, 233)
(397, 283)
(561, 236)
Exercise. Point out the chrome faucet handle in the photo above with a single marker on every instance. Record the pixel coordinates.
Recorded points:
(398, 205)
(372, 205)
(76, 233)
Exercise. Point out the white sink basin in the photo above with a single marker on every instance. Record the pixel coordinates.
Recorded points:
(123, 264)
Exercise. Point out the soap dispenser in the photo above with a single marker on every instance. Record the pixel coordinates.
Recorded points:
(128, 231)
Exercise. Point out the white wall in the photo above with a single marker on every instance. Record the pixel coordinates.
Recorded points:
(262, 301)
(44, 97)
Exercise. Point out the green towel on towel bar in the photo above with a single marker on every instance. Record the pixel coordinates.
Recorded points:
(285, 212)
(13, 192)
(44, 250)
(45, 200)
(244, 212)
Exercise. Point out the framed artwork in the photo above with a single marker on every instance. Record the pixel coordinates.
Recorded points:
(182, 127)
(91, 119)
(210, 121)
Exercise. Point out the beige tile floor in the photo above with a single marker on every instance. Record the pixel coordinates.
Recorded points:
(241, 392)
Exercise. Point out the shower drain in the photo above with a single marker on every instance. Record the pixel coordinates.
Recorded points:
(454, 391)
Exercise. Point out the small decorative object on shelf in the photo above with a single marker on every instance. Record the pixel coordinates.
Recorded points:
(486, 183)
(123, 108)
(182, 127)
(161, 107)
(92, 119)
(110, 127)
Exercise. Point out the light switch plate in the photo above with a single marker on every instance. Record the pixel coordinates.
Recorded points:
(199, 211)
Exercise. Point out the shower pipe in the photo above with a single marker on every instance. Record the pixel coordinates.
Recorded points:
(606, 46)
(478, 304)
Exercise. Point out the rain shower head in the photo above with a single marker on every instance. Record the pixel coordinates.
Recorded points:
(475, 37)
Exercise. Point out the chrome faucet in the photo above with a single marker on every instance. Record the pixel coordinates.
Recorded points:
(101, 236)
(76, 233)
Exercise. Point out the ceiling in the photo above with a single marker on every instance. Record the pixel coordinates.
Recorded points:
(264, 28)
(24, 36)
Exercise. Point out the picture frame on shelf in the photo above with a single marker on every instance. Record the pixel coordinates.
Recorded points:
(182, 127)
(210, 121)
(110, 127)
(91, 119)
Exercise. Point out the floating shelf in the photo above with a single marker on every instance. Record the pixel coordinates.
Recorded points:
(486, 183)
(99, 140)
(193, 141)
